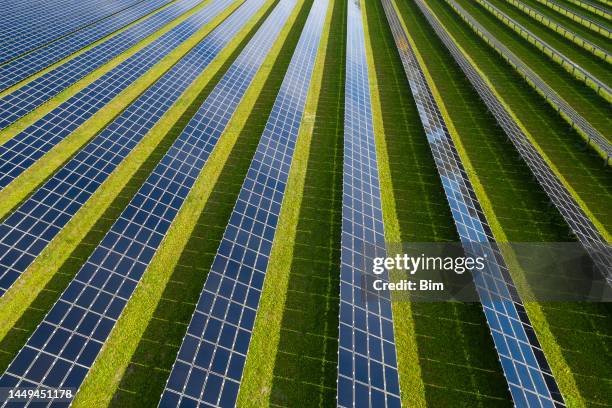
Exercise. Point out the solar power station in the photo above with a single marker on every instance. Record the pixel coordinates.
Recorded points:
(202, 201)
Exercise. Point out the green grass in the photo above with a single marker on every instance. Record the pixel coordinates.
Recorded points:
(520, 206)
(581, 167)
(596, 66)
(582, 98)
(147, 372)
(571, 25)
(456, 353)
(304, 372)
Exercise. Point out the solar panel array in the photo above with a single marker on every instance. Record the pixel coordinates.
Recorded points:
(526, 369)
(20, 152)
(28, 230)
(551, 96)
(64, 346)
(588, 45)
(210, 362)
(43, 27)
(31, 63)
(580, 224)
(566, 62)
(367, 361)
(593, 25)
(33, 94)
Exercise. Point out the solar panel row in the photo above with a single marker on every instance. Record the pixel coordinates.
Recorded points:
(35, 61)
(566, 61)
(367, 361)
(28, 230)
(20, 152)
(65, 345)
(208, 369)
(536, 14)
(526, 369)
(576, 119)
(30, 33)
(580, 224)
(33, 94)
(593, 25)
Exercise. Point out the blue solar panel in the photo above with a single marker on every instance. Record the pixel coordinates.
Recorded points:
(526, 369)
(25, 148)
(45, 25)
(209, 365)
(367, 362)
(27, 231)
(31, 63)
(71, 335)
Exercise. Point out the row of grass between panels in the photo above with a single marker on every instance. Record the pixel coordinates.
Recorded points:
(41, 284)
(292, 359)
(591, 7)
(574, 33)
(137, 359)
(582, 98)
(457, 360)
(573, 336)
(593, 26)
(596, 74)
(34, 176)
(597, 38)
(577, 165)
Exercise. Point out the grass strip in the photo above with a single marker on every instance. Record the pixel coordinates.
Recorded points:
(518, 211)
(592, 25)
(576, 35)
(93, 218)
(19, 189)
(307, 375)
(578, 167)
(453, 346)
(138, 357)
(593, 71)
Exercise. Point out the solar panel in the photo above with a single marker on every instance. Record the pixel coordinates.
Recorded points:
(36, 30)
(31, 63)
(575, 118)
(210, 362)
(526, 369)
(66, 343)
(580, 224)
(367, 361)
(20, 152)
(28, 230)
